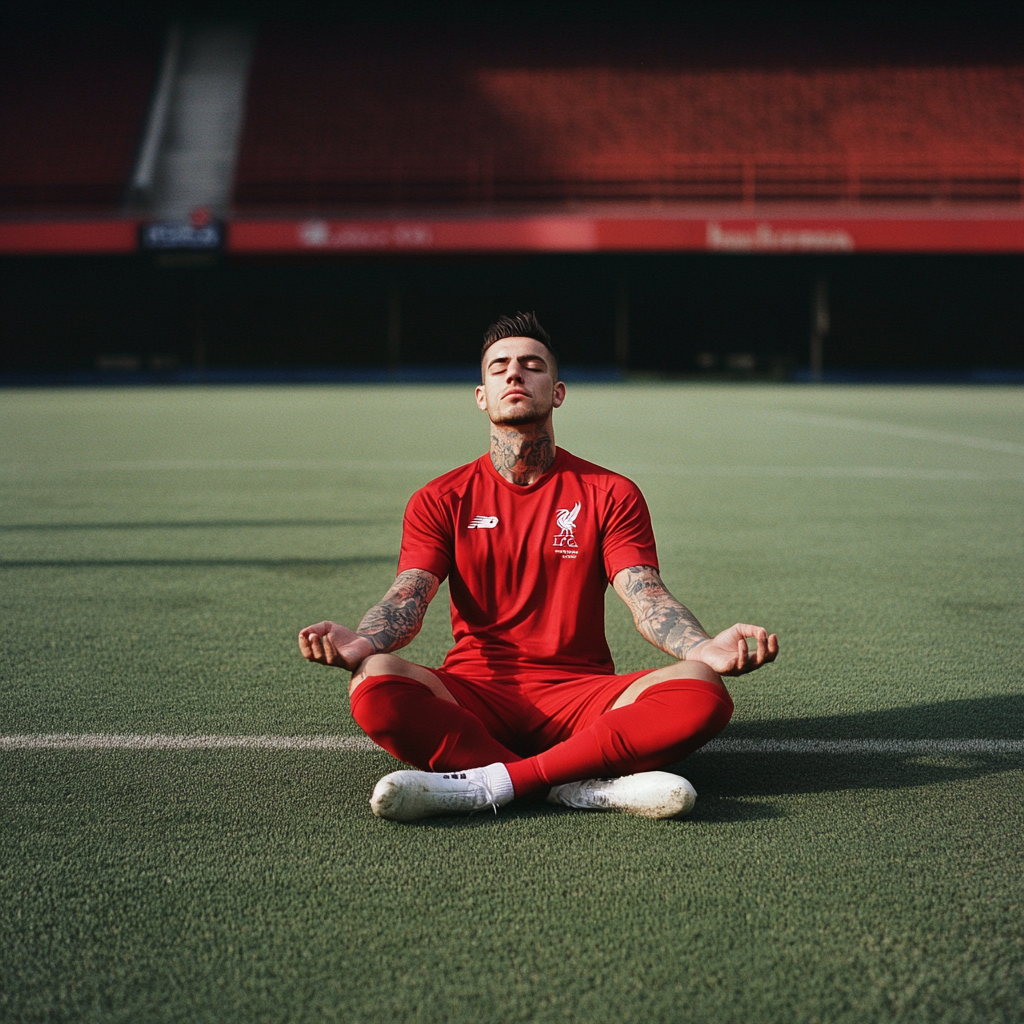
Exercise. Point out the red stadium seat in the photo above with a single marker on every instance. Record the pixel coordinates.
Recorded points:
(353, 115)
(72, 107)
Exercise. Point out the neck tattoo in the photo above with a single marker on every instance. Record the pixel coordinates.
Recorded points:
(522, 460)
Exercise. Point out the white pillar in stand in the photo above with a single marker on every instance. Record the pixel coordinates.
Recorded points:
(188, 153)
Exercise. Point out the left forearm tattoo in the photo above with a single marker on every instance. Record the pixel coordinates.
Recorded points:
(396, 619)
(659, 617)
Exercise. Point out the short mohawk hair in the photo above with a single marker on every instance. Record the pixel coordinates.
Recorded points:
(522, 325)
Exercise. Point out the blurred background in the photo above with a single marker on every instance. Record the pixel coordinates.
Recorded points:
(262, 191)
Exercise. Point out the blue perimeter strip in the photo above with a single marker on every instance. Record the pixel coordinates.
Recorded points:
(465, 374)
(979, 376)
(294, 375)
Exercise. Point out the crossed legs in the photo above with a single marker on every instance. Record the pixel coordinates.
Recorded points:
(659, 719)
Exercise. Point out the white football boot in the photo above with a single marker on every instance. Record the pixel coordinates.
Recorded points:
(411, 795)
(648, 794)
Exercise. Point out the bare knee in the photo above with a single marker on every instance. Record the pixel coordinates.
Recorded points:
(678, 670)
(378, 665)
(690, 670)
(393, 665)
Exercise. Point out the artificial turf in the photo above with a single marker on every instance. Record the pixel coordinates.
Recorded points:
(160, 549)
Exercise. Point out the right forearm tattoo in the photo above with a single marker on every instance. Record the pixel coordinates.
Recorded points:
(398, 616)
(659, 617)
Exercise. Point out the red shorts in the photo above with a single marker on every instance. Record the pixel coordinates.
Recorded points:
(530, 715)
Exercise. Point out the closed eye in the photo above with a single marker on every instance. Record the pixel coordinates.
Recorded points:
(501, 365)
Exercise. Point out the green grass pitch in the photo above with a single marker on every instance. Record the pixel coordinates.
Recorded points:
(160, 549)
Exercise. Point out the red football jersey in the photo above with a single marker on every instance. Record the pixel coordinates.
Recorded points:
(528, 566)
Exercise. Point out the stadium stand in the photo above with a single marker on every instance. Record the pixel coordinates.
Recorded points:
(72, 106)
(338, 117)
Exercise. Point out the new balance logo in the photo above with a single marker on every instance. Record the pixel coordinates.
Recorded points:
(483, 523)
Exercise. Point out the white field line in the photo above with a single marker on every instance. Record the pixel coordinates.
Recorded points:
(898, 430)
(136, 741)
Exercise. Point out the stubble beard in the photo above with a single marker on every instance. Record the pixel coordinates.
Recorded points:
(519, 417)
(522, 414)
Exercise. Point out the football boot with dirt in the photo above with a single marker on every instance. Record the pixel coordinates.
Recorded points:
(647, 794)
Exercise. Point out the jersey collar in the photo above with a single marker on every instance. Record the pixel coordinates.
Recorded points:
(488, 468)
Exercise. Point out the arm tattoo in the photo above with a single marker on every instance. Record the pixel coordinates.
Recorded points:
(398, 616)
(659, 617)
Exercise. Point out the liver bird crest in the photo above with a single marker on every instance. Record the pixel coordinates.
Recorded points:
(566, 519)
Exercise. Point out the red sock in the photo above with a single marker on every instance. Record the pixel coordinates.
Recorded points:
(434, 734)
(666, 723)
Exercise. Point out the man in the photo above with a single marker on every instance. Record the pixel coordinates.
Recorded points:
(527, 702)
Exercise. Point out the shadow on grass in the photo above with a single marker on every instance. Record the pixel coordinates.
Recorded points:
(733, 787)
(995, 717)
(198, 563)
(199, 524)
(717, 809)
(733, 779)
(713, 808)
(752, 776)
(737, 787)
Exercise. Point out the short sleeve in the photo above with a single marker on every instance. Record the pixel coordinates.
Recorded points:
(427, 541)
(628, 533)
